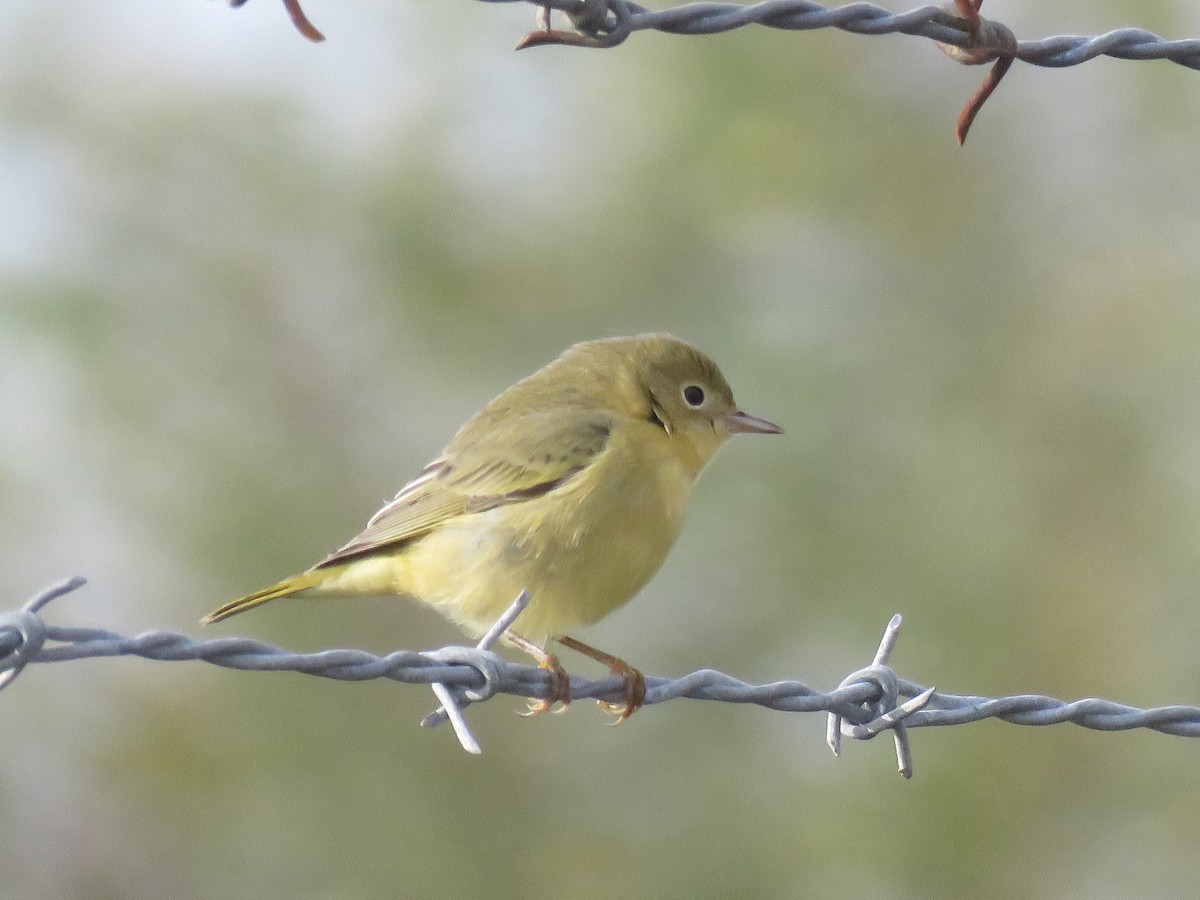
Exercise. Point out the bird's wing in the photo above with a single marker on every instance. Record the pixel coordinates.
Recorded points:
(540, 453)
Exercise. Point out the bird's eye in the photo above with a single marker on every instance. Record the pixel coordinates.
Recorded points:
(693, 395)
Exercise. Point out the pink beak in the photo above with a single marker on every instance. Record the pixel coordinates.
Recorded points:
(744, 423)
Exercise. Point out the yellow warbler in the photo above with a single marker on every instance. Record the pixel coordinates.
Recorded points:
(572, 484)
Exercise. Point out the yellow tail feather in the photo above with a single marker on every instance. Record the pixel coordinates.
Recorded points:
(285, 588)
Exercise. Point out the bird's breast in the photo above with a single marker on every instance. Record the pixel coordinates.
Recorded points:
(581, 550)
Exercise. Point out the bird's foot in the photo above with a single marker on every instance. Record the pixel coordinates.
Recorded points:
(633, 690)
(560, 681)
(560, 689)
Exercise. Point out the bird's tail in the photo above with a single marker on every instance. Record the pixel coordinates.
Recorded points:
(294, 585)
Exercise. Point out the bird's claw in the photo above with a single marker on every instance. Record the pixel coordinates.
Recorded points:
(634, 688)
(560, 690)
(634, 691)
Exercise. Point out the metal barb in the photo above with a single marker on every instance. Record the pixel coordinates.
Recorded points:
(296, 14)
(887, 643)
(987, 42)
(56, 590)
(450, 708)
(888, 715)
(593, 25)
(23, 633)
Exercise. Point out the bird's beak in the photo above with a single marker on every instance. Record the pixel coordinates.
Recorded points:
(744, 423)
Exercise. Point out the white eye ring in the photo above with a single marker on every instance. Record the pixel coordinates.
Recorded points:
(693, 395)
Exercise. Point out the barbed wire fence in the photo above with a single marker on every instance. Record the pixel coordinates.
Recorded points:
(956, 28)
(868, 702)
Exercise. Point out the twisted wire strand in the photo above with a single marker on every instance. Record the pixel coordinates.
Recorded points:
(472, 675)
(865, 18)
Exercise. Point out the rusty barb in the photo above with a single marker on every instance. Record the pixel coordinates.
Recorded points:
(988, 42)
(606, 23)
(296, 14)
(593, 26)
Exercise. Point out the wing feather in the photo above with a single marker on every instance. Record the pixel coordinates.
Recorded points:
(541, 453)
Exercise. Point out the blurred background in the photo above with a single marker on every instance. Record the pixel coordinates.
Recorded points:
(250, 285)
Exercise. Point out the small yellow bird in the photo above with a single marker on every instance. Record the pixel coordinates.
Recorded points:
(572, 485)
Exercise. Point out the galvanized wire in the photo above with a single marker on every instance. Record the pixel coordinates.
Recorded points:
(611, 21)
(868, 702)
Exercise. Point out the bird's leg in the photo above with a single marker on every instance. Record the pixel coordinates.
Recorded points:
(635, 681)
(560, 681)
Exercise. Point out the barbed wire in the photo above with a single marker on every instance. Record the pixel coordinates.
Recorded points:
(956, 28)
(867, 703)
(610, 22)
